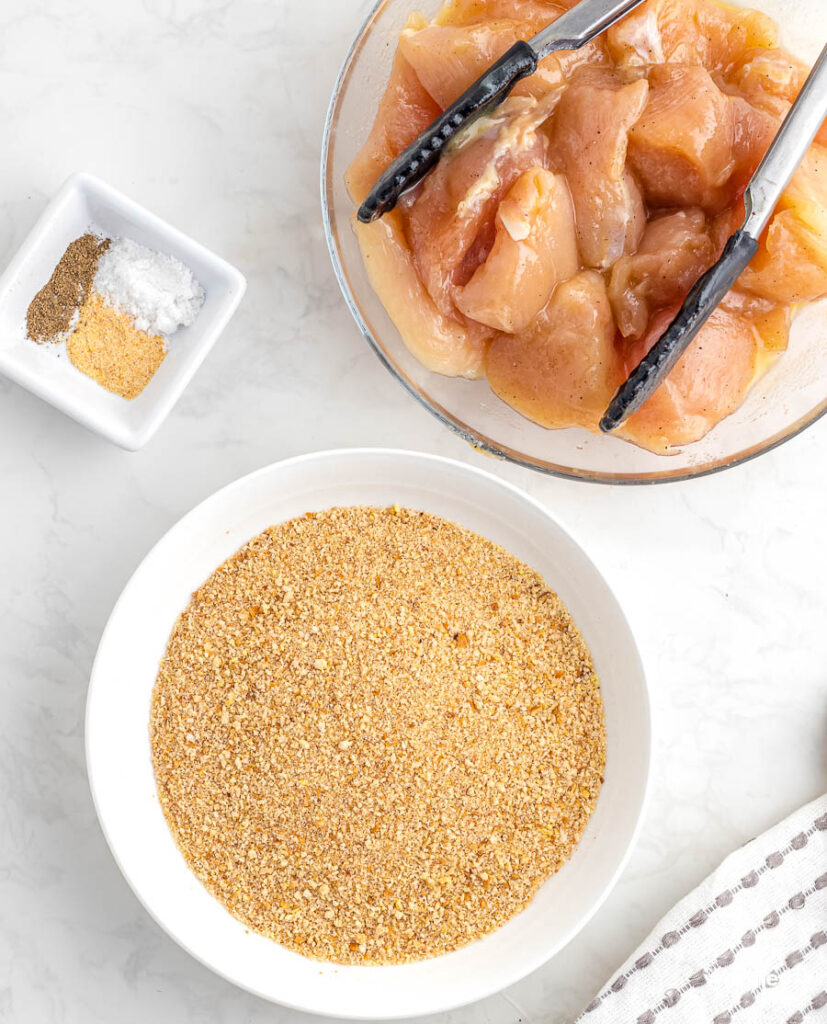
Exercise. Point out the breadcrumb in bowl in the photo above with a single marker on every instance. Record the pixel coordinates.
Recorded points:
(120, 752)
(376, 734)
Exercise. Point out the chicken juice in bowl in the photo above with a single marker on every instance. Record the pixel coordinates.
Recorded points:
(550, 247)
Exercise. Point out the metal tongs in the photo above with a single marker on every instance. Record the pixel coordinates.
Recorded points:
(763, 191)
(570, 31)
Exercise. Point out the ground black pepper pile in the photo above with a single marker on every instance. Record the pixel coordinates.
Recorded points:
(50, 313)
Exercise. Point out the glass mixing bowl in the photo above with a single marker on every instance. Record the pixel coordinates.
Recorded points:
(785, 401)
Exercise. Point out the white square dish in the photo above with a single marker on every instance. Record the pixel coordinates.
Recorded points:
(85, 202)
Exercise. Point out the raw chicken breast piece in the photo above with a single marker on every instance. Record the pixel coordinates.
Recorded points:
(688, 32)
(674, 251)
(770, 321)
(753, 131)
(451, 221)
(535, 248)
(535, 14)
(791, 264)
(589, 140)
(532, 16)
(441, 344)
(564, 371)
(447, 59)
(405, 111)
(708, 383)
(681, 148)
(770, 79)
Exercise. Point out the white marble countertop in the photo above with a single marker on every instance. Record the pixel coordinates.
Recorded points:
(211, 113)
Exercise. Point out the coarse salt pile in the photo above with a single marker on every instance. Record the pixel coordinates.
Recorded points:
(158, 291)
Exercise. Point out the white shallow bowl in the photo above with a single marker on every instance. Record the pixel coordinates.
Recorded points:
(118, 749)
(83, 202)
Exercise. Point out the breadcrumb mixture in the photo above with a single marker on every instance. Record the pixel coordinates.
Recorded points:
(376, 734)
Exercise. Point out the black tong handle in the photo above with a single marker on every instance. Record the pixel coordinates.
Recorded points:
(411, 166)
(704, 296)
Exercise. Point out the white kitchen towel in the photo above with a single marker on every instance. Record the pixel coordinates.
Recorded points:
(748, 946)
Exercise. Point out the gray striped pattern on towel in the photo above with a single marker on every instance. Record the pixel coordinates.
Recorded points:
(748, 946)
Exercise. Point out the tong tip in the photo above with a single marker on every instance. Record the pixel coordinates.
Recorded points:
(608, 423)
(368, 212)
